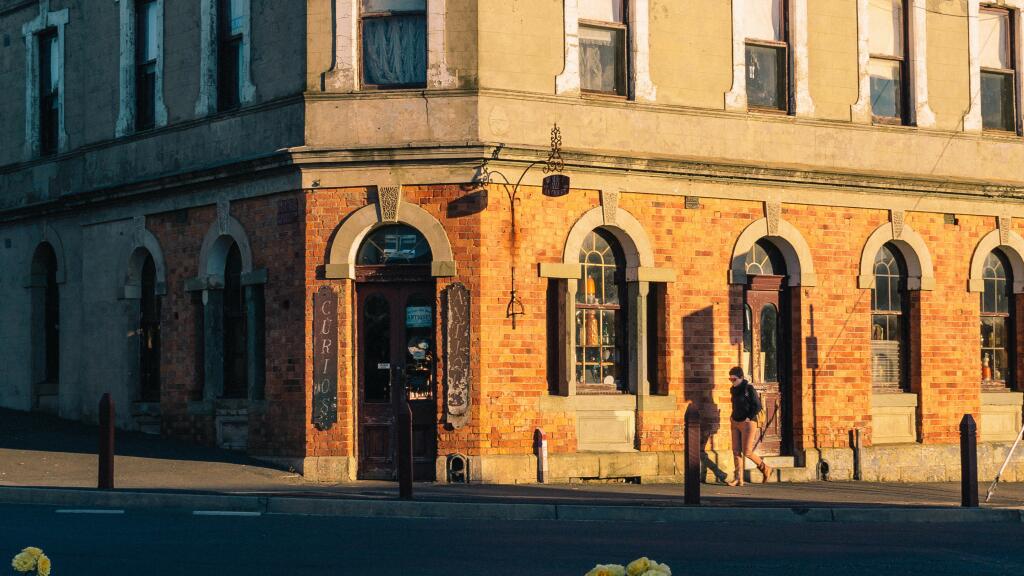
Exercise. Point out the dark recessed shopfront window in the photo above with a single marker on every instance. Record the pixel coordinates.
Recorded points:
(889, 329)
(600, 317)
(997, 332)
(394, 43)
(235, 342)
(149, 333)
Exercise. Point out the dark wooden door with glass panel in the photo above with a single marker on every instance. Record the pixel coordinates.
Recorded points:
(764, 342)
(396, 362)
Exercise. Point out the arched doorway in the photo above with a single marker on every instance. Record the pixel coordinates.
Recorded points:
(766, 334)
(396, 349)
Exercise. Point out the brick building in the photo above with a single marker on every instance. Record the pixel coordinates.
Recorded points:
(262, 225)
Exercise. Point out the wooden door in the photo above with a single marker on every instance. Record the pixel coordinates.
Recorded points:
(766, 322)
(396, 354)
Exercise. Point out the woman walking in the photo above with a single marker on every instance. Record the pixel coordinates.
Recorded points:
(746, 405)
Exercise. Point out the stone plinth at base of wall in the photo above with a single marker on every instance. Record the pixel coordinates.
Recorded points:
(887, 463)
(328, 469)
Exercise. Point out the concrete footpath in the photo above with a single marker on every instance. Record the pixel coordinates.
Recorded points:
(52, 462)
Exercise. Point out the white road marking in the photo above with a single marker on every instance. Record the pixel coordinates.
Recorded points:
(87, 511)
(223, 513)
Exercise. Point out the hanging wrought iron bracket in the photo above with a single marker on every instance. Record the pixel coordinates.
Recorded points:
(554, 185)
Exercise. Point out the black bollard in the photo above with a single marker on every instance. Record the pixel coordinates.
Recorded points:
(106, 471)
(405, 451)
(968, 462)
(692, 452)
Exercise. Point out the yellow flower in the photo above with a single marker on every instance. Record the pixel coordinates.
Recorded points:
(44, 565)
(658, 570)
(33, 551)
(607, 570)
(638, 567)
(23, 562)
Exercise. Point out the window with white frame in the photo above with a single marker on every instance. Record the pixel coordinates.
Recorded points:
(601, 339)
(394, 43)
(888, 61)
(998, 82)
(767, 54)
(997, 329)
(603, 33)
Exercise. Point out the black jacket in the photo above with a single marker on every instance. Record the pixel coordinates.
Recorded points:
(745, 402)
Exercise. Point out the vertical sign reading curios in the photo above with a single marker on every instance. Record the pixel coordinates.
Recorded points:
(325, 358)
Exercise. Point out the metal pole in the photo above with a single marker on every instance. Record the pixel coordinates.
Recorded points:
(692, 448)
(992, 488)
(405, 451)
(540, 440)
(968, 462)
(106, 448)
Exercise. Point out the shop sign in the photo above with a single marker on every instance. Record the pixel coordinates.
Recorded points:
(325, 358)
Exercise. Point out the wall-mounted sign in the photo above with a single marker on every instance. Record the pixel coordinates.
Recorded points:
(457, 355)
(325, 358)
(419, 316)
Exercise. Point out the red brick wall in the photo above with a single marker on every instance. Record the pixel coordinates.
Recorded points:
(702, 317)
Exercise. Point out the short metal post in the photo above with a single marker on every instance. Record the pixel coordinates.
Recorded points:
(106, 448)
(540, 442)
(692, 448)
(968, 462)
(405, 451)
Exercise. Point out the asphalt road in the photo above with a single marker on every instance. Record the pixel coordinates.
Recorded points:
(162, 543)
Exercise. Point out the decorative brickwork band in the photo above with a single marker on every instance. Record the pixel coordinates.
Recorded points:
(389, 198)
(458, 377)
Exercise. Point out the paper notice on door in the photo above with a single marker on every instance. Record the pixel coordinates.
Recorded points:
(383, 366)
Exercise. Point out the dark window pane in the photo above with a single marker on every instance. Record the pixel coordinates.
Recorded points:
(145, 97)
(376, 349)
(886, 88)
(770, 343)
(395, 50)
(149, 332)
(419, 361)
(393, 5)
(396, 244)
(766, 76)
(602, 62)
(235, 349)
(49, 96)
(997, 108)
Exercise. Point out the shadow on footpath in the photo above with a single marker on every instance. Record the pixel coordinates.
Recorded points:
(46, 433)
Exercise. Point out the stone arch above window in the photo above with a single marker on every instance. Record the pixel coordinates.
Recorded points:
(341, 259)
(1012, 248)
(789, 241)
(632, 237)
(144, 244)
(920, 274)
(49, 236)
(216, 245)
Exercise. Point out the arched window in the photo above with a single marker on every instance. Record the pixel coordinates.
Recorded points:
(889, 330)
(394, 244)
(601, 366)
(997, 323)
(149, 332)
(235, 345)
(764, 259)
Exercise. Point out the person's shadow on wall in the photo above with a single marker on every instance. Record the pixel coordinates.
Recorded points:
(699, 383)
